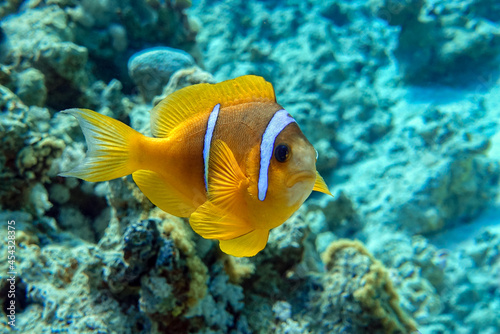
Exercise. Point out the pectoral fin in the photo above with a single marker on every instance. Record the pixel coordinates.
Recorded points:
(320, 185)
(220, 217)
(226, 181)
(246, 245)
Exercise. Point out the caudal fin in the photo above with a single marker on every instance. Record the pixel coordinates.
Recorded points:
(109, 142)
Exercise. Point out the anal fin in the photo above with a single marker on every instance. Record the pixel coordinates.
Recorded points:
(161, 194)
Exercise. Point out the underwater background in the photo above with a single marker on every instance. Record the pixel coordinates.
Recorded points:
(401, 98)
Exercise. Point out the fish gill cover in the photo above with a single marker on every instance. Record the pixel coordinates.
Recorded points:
(401, 99)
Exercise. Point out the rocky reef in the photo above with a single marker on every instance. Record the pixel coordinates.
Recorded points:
(400, 98)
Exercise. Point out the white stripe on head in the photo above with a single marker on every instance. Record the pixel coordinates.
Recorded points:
(279, 121)
(212, 120)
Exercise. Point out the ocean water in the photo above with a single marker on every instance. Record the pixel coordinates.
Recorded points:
(400, 98)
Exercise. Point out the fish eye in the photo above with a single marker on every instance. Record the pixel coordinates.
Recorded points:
(282, 152)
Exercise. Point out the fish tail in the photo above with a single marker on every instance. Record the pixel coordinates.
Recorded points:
(111, 147)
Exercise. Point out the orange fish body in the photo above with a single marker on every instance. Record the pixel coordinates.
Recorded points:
(225, 155)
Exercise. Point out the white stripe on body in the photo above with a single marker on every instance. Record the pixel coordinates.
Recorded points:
(212, 121)
(279, 121)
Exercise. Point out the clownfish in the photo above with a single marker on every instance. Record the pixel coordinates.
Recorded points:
(226, 155)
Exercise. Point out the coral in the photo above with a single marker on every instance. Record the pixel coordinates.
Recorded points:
(183, 78)
(460, 182)
(113, 30)
(140, 119)
(68, 39)
(63, 295)
(238, 268)
(285, 241)
(181, 236)
(429, 173)
(282, 310)
(50, 49)
(463, 184)
(156, 295)
(147, 256)
(39, 198)
(358, 288)
(29, 152)
(140, 246)
(108, 99)
(157, 264)
(59, 193)
(450, 42)
(65, 59)
(221, 304)
(475, 297)
(339, 214)
(72, 219)
(284, 323)
(329, 157)
(151, 69)
(417, 270)
(9, 6)
(31, 87)
(414, 170)
(277, 41)
(35, 161)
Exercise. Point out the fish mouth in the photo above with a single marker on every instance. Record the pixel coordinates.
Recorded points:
(300, 176)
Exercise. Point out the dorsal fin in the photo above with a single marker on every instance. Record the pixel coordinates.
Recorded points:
(186, 102)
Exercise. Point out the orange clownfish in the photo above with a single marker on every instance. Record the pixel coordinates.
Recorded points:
(225, 155)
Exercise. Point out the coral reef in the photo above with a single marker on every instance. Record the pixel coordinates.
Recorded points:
(72, 43)
(453, 37)
(29, 151)
(151, 69)
(357, 287)
(50, 49)
(407, 160)
(401, 99)
(9, 6)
